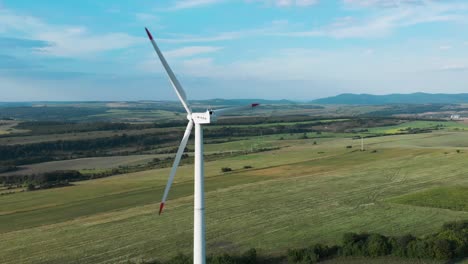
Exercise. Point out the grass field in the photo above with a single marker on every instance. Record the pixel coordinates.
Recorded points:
(453, 197)
(138, 115)
(8, 127)
(81, 135)
(447, 125)
(95, 163)
(297, 195)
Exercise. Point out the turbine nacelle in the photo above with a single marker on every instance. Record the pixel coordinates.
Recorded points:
(203, 118)
(211, 115)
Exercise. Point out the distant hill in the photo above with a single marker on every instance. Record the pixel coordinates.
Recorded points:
(215, 102)
(414, 98)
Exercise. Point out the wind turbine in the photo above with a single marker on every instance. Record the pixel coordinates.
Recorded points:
(199, 119)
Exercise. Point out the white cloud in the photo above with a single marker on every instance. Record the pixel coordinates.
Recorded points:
(193, 39)
(382, 3)
(269, 29)
(65, 40)
(445, 47)
(453, 67)
(386, 21)
(185, 4)
(191, 51)
(145, 17)
(287, 3)
(382, 23)
(310, 65)
(113, 10)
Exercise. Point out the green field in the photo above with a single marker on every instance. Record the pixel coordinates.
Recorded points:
(95, 163)
(297, 195)
(454, 198)
(445, 125)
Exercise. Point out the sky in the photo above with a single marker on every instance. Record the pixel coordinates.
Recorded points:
(270, 49)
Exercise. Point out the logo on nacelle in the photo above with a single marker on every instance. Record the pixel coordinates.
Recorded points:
(202, 118)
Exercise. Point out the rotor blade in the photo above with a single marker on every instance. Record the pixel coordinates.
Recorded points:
(225, 111)
(175, 83)
(180, 151)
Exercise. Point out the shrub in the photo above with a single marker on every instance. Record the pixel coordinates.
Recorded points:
(459, 226)
(378, 245)
(399, 245)
(226, 169)
(302, 255)
(249, 257)
(419, 248)
(311, 254)
(354, 244)
(443, 249)
(30, 187)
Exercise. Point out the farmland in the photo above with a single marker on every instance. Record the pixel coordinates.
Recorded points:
(300, 198)
(286, 189)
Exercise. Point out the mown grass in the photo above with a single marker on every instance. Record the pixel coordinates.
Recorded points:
(88, 165)
(453, 197)
(20, 139)
(291, 197)
(401, 128)
(287, 123)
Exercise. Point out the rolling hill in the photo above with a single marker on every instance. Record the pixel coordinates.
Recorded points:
(414, 98)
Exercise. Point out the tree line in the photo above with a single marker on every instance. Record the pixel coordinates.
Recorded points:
(20, 154)
(62, 127)
(449, 243)
(43, 180)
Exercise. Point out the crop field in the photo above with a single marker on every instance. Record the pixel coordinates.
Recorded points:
(80, 135)
(8, 127)
(445, 125)
(99, 163)
(138, 115)
(309, 190)
(453, 197)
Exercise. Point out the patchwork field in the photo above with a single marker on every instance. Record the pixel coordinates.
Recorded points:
(95, 163)
(302, 193)
(451, 197)
(402, 128)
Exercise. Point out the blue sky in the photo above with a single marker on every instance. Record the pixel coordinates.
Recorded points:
(272, 49)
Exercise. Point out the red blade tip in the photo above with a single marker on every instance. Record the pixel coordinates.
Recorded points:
(161, 208)
(254, 105)
(149, 34)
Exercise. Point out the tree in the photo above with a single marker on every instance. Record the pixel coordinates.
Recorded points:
(30, 187)
(443, 249)
(400, 245)
(355, 244)
(377, 245)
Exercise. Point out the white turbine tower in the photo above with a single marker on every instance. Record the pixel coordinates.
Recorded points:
(198, 119)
